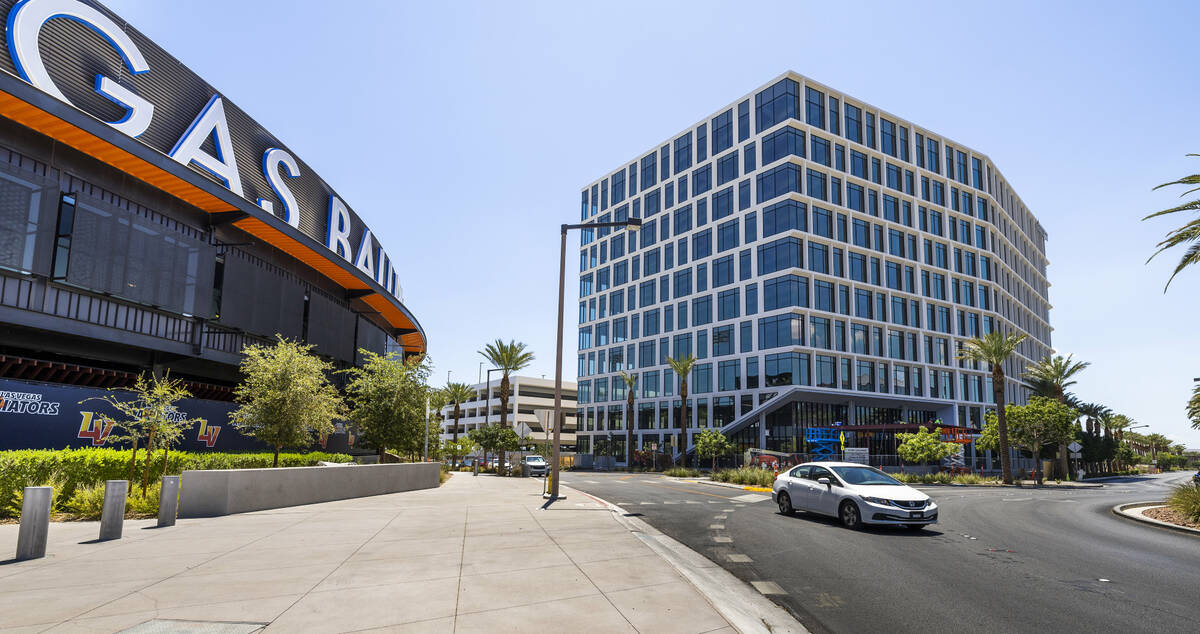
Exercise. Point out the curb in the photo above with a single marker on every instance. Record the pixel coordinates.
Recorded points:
(1126, 511)
(744, 608)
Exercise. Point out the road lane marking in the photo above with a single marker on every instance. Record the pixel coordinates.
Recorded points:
(726, 510)
(720, 517)
(689, 491)
(716, 527)
(666, 502)
(738, 558)
(645, 503)
(624, 478)
(751, 497)
(767, 587)
(722, 540)
(690, 502)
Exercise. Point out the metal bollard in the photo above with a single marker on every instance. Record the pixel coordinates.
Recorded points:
(35, 523)
(168, 503)
(112, 518)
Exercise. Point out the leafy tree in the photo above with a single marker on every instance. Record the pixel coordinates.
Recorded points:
(457, 394)
(1188, 234)
(682, 367)
(995, 349)
(386, 395)
(1041, 423)
(147, 408)
(457, 447)
(509, 357)
(924, 446)
(630, 380)
(711, 443)
(437, 402)
(495, 438)
(285, 398)
(1056, 371)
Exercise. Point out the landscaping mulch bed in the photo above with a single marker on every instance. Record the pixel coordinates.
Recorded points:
(1170, 515)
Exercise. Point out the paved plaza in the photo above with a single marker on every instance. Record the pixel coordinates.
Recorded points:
(478, 554)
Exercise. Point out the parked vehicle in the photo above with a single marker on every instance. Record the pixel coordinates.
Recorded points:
(536, 465)
(854, 493)
(1196, 478)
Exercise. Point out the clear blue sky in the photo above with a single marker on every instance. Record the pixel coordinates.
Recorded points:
(463, 133)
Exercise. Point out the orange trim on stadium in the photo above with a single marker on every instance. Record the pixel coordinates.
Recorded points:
(37, 119)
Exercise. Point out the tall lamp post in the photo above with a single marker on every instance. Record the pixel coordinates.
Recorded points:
(630, 224)
(487, 398)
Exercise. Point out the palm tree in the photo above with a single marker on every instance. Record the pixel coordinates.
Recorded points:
(458, 393)
(1193, 407)
(1095, 414)
(630, 380)
(682, 367)
(1117, 424)
(994, 349)
(509, 357)
(1157, 442)
(1056, 371)
(1188, 233)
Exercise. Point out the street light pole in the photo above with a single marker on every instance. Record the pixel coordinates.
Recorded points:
(631, 223)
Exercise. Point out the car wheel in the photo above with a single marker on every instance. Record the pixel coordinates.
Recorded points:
(785, 504)
(850, 515)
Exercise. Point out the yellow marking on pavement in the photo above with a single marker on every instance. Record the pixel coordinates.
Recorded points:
(762, 489)
(627, 477)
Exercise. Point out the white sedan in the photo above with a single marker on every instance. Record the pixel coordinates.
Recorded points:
(854, 493)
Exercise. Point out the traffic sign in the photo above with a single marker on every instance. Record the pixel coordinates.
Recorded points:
(1076, 454)
(1075, 446)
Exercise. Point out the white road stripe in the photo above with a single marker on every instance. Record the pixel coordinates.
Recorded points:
(767, 587)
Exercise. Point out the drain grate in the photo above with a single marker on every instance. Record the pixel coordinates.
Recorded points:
(172, 626)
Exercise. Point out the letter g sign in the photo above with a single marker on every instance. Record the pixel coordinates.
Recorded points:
(25, 24)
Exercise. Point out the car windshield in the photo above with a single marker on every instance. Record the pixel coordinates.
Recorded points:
(864, 476)
(535, 459)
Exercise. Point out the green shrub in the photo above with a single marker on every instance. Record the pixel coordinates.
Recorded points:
(681, 472)
(746, 475)
(86, 503)
(942, 478)
(1186, 499)
(68, 470)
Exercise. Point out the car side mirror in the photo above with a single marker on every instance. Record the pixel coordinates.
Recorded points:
(824, 481)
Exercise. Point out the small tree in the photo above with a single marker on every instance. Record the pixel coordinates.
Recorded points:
(924, 446)
(386, 395)
(285, 399)
(147, 408)
(711, 443)
(1043, 422)
(495, 439)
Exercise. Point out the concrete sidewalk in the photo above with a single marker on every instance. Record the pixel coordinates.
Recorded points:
(479, 554)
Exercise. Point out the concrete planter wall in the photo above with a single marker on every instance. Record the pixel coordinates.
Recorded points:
(212, 493)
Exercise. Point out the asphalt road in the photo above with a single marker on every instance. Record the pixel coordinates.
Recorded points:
(999, 560)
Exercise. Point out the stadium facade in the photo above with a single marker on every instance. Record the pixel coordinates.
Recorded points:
(148, 223)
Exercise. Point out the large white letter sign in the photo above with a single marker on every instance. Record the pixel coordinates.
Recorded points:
(210, 123)
(337, 228)
(25, 22)
(272, 159)
(365, 260)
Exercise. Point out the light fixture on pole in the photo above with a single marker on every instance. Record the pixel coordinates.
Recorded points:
(630, 224)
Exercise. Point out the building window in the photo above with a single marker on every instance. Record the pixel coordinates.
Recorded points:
(775, 104)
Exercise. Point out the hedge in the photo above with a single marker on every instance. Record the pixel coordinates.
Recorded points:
(70, 469)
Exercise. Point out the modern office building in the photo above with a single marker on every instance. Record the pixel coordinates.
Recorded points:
(148, 223)
(527, 396)
(821, 258)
